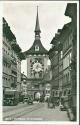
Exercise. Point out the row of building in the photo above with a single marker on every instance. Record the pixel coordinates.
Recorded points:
(12, 57)
(63, 56)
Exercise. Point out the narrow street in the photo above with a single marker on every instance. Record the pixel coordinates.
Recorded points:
(35, 112)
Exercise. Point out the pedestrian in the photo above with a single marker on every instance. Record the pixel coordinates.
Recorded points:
(53, 104)
(48, 101)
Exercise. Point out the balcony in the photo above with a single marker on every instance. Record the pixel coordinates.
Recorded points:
(6, 58)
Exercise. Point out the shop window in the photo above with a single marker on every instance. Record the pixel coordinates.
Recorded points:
(69, 92)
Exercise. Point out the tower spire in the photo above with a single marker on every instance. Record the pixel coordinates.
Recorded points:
(37, 27)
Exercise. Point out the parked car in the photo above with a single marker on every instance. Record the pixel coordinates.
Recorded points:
(30, 100)
(25, 99)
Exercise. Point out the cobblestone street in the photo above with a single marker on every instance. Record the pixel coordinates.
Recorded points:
(35, 112)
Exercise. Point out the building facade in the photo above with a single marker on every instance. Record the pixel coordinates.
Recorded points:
(67, 36)
(60, 56)
(11, 59)
(23, 84)
(63, 56)
(55, 56)
(71, 11)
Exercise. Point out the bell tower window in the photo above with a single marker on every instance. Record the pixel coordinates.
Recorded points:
(36, 48)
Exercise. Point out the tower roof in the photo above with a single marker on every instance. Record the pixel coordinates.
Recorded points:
(32, 51)
(37, 27)
(37, 41)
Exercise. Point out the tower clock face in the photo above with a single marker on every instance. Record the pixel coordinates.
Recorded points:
(37, 68)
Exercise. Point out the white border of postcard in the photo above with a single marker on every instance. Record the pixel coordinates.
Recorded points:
(40, 122)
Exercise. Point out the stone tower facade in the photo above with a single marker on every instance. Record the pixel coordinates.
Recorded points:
(37, 57)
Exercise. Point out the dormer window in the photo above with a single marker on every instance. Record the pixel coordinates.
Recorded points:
(36, 48)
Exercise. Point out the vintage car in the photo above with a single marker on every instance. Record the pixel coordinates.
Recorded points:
(25, 99)
(30, 100)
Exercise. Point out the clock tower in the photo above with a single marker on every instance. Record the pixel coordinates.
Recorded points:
(37, 57)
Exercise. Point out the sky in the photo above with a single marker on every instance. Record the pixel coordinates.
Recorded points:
(21, 17)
